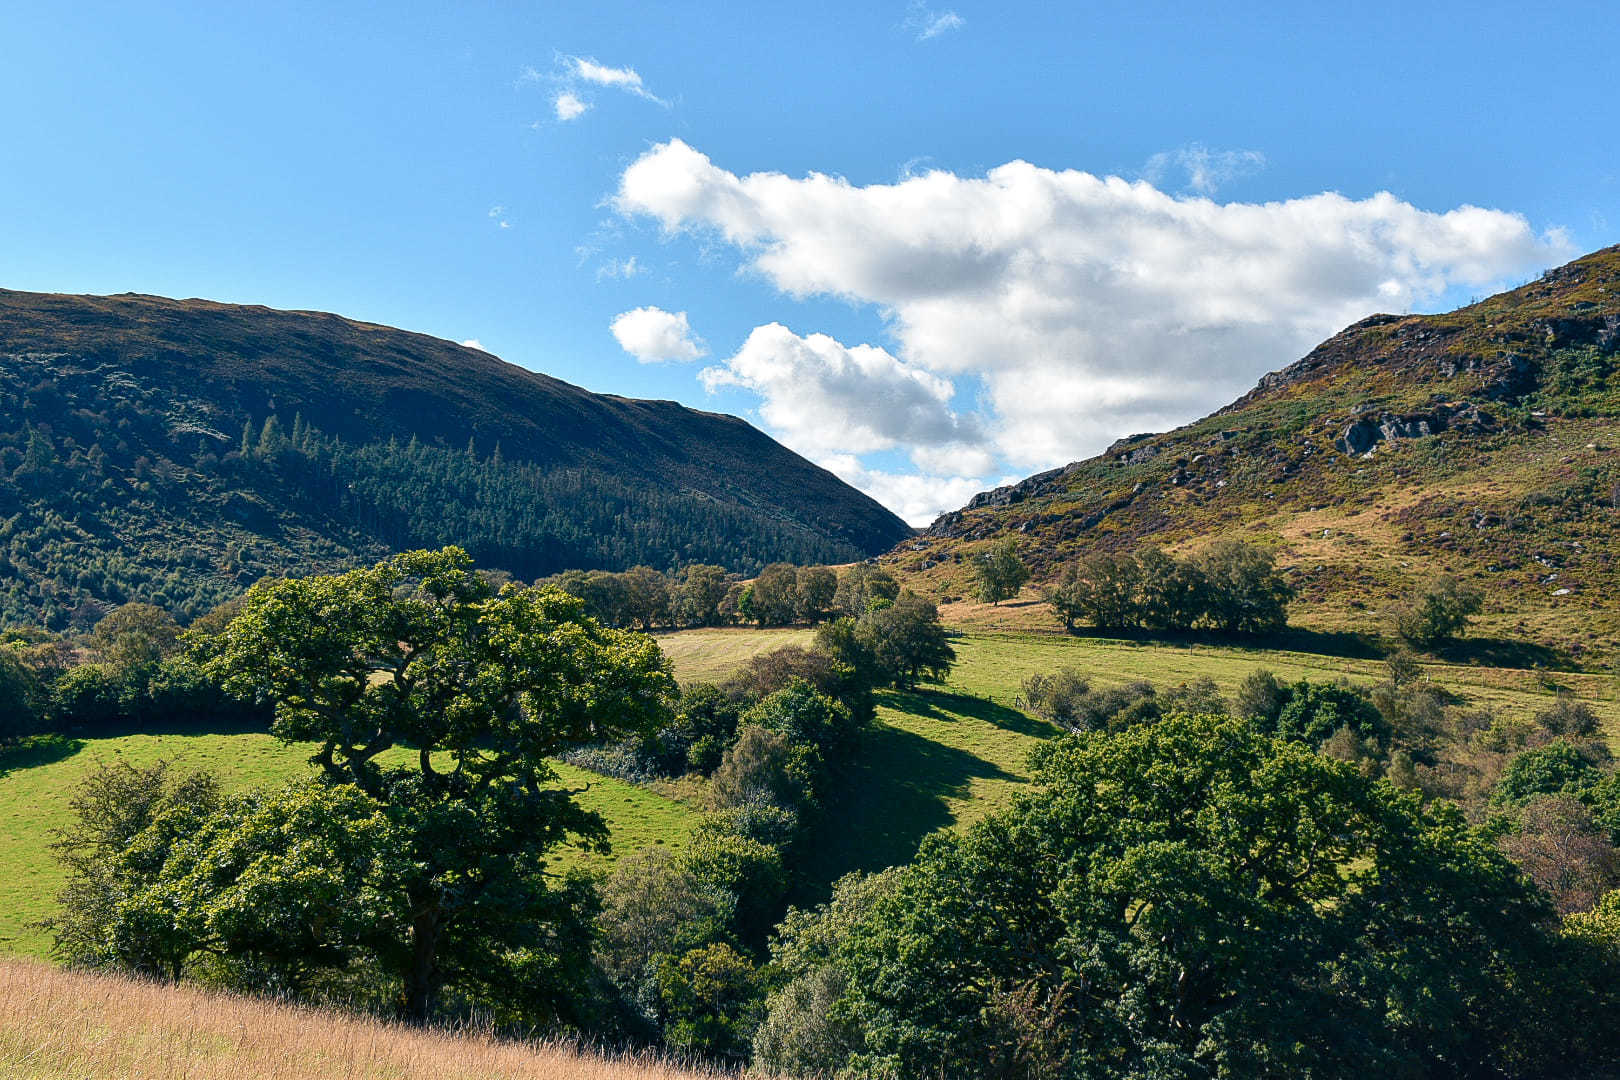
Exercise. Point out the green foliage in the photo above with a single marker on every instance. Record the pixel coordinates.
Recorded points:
(420, 651)
(1558, 768)
(817, 586)
(772, 598)
(764, 765)
(863, 587)
(807, 717)
(711, 997)
(1439, 613)
(1242, 587)
(134, 636)
(654, 905)
(750, 870)
(804, 1032)
(1194, 898)
(905, 642)
(1231, 586)
(126, 821)
(1312, 711)
(20, 695)
(1057, 697)
(998, 572)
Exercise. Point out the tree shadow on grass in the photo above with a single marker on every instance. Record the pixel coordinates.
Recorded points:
(942, 705)
(1340, 643)
(37, 750)
(893, 797)
(1499, 652)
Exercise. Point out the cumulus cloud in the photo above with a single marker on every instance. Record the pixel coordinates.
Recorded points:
(653, 335)
(569, 106)
(1205, 169)
(826, 397)
(474, 343)
(927, 23)
(1087, 307)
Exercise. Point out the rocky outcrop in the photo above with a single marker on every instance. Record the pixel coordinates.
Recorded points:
(1367, 431)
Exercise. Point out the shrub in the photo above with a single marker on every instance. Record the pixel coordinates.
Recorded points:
(1056, 697)
(1439, 613)
(1558, 768)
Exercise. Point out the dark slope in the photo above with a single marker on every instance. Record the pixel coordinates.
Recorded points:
(131, 384)
(1482, 442)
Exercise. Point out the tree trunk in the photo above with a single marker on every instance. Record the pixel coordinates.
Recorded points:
(422, 979)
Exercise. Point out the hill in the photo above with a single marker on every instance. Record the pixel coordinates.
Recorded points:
(1484, 442)
(56, 1023)
(174, 450)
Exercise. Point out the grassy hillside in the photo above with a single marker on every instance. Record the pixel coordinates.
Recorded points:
(944, 757)
(57, 1024)
(1483, 443)
(35, 786)
(135, 461)
(938, 758)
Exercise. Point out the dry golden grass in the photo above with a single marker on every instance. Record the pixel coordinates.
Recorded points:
(61, 1025)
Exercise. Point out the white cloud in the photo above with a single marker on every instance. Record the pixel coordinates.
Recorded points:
(585, 69)
(825, 397)
(927, 23)
(1205, 169)
(497, 214)
(620, 268)
(653, 335)
(474, 343)
(916, 498)
(568, 106)
(1087, 307)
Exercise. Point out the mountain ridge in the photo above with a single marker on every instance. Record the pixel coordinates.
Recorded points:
(137, 399)
(1477, 442)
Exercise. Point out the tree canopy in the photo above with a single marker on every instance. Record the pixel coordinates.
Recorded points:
(420, 654)
(1193, 897)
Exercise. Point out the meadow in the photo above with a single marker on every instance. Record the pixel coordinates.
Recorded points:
(57, 1024)
(946, 755)
(36, 784)
(939, 757)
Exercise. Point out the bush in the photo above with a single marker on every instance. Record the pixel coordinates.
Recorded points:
(712, 999)
(1312, 712)
(1558, 768)
(1440, 613)
(1057, 697)
(20, 698)
(761, 765)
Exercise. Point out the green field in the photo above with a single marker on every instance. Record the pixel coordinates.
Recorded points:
(946, 756)
(940, 757)
(35, 788)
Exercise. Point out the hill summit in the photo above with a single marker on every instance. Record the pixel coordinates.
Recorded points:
(175, 450)
(1484, 442)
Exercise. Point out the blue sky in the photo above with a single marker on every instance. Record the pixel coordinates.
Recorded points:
(934, 246)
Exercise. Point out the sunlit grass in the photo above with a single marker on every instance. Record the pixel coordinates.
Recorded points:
(56, 1025)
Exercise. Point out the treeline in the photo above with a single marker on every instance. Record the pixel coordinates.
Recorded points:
(1231, 586)
(132, 672)
(706, 595)
(1193, 896)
